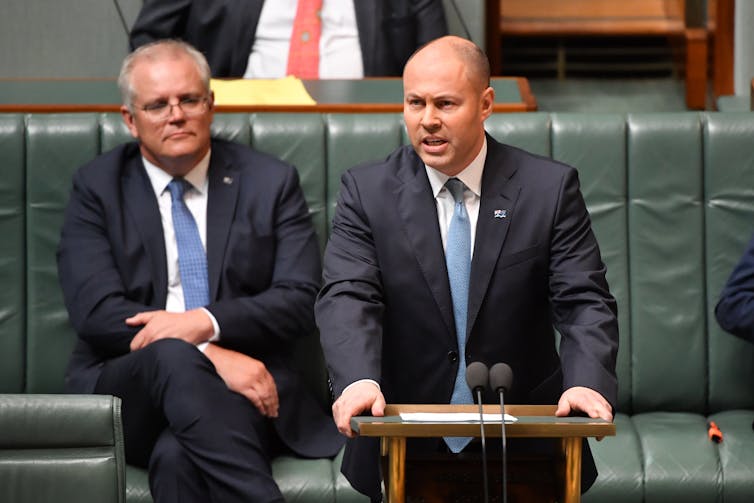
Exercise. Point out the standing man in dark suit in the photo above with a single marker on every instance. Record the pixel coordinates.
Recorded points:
(189, 266)
(360, 38)
(392, 306)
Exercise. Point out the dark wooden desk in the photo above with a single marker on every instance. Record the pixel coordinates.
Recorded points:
(534, 421)
(355, 96)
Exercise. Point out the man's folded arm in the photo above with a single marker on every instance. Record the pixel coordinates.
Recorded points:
(92, 287)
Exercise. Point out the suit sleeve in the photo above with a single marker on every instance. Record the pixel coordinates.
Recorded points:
(93, 291)
(350, 306)
(735, 309)
(272, 317)
(584, 311)
(159, 19)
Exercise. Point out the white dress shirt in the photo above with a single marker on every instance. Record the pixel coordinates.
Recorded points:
(471, 176)
(339, 49)
(196, 201)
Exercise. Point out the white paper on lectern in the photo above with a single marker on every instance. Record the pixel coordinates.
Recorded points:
(453, 417)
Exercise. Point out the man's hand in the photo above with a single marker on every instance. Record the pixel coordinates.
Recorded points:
(356, 399)
(584, 400)
(192, 326)
(247, 376)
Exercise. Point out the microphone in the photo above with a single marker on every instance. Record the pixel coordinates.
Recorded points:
(501, 380)
(477, 378)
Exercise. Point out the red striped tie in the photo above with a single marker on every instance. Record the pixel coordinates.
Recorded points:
(303, 57)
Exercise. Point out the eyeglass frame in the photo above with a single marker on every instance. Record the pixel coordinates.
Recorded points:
(166, 105)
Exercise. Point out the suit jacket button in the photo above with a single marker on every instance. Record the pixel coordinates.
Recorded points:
(452, 356)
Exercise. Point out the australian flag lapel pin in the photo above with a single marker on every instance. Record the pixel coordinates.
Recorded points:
(501, 214)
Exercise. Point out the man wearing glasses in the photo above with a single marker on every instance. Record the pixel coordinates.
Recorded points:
(188, 267)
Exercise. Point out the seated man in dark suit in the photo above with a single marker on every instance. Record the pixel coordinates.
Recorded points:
(260, 39)
(735, 309)
(457, 249)
(189, 266)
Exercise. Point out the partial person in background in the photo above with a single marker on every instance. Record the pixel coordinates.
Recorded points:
(189, 267)
(735, 309)
(307, 38)
(457, 249)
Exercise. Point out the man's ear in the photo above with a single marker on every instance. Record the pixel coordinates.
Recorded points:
(487, 101)
(128, 118)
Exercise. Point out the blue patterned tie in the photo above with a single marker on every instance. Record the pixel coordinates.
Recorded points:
(458, 259)
(192, 260)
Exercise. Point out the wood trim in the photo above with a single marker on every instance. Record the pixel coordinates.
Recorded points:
(724, 31)
(493, 39)
(592, 17)
(528, 103)
(696, 68)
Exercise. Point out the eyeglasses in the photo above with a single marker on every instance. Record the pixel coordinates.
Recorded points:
(162, 110)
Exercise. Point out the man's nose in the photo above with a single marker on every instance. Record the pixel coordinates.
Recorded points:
(429, 119)
(176, 112)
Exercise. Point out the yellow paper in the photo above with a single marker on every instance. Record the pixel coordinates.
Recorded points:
(286, 91)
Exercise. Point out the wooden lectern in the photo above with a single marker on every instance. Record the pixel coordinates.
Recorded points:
(534, 421)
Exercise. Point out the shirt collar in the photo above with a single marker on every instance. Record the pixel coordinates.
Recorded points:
(197, 177)
(471, 175)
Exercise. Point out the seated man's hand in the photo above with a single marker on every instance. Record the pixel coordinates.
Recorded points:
(193, 326)
(357, 398)
(247, 376)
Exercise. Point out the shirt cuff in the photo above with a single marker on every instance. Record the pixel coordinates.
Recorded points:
(215, 331)
(361, 381)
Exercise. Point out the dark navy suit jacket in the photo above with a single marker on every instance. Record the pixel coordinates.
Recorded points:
(385, 311)
(735, 309)
(224, 30)
(263, 266)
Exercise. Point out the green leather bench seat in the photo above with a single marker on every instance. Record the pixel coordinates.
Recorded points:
(672, 202)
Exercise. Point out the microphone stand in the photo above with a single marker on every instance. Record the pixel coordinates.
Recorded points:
(501, 379)
(484, 446)
(503, 443)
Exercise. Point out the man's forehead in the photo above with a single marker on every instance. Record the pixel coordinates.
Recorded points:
(166, 76)
(450, 78)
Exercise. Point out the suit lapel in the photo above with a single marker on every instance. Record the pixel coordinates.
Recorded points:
(141, 205)
(496, 211)
(221, 204)
(418, 213)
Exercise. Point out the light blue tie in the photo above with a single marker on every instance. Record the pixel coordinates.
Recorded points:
(458, 259)
(192, 260)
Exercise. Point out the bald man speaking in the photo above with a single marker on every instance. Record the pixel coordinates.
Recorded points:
(457, 249)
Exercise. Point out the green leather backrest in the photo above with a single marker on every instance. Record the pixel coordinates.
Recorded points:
(56, 145)
(12, 261)
(728, 225)
(598, 148)
(671, 198)
(666, 260)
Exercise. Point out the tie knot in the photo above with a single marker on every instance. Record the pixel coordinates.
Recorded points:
(456, 188)
(177, 188)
